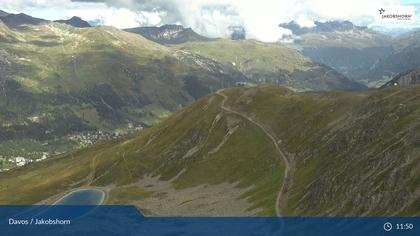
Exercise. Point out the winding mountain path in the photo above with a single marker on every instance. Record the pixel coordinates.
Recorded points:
(276, 145)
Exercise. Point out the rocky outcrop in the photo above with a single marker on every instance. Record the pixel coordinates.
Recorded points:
(409, 78)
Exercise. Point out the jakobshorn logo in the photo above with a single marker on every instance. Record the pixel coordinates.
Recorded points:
(396, 14)
(381, 11)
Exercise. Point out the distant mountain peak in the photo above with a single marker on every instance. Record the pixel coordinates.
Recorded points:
(177, 28)
(75, 21)
(237, 32)
(17, 20)
(3, 13)
(168, 34)
(328, 26)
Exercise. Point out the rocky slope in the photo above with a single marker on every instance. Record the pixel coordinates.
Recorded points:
(409, 78)
(349, 153)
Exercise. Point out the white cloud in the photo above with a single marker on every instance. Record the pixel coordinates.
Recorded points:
(209, 17)
(63, 9)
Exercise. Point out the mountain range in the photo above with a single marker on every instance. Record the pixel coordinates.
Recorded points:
(320, 27)
(328, 42)
(3, 13)
(217, 127)
(16, 21)
(57, 80)
(360, 53)
(405, 56)
(60, 81)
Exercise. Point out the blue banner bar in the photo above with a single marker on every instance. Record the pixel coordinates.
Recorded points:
(127, 220)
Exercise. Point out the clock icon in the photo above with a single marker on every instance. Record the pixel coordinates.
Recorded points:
(387, 226)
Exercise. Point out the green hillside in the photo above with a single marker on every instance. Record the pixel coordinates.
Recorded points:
(64, 87)
(58, 81)
(348, 153)
(271, 63)
(249, 55)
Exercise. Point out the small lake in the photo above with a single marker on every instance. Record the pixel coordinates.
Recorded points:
(82, 197)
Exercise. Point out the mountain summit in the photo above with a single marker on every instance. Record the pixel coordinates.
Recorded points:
(237, 32)
(168, 34)
(3, 13)
(17, 20)
(76, 22)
